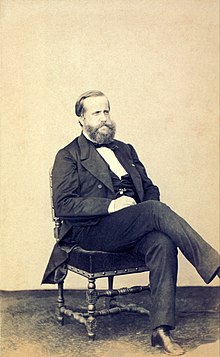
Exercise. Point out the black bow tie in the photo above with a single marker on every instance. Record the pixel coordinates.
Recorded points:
(111, 145)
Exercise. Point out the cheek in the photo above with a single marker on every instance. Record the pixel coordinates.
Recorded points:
(92, 121)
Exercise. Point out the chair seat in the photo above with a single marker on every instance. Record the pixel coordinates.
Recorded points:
(98, 263)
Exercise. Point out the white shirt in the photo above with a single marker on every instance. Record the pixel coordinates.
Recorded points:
(109, 156)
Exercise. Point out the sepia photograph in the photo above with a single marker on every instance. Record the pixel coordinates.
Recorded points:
(109, 178)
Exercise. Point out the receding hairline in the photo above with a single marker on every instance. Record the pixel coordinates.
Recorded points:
(79, 106)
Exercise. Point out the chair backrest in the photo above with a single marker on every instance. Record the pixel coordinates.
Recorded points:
(57, 220)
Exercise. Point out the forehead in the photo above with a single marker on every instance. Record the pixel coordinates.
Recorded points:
(96, 103)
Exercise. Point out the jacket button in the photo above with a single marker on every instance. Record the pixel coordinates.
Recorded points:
(99, 185)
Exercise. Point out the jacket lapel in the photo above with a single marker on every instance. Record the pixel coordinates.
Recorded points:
(93, 162)
(129, 166)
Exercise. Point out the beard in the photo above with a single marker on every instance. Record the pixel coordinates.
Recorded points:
(100, 137)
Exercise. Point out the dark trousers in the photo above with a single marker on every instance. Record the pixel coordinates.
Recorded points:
(151, 228)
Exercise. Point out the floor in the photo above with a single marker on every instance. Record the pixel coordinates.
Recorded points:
(29, 326)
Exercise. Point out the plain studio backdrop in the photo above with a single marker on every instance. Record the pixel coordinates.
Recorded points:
(157, 61)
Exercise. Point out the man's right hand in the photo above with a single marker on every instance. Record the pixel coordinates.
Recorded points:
(120, 203)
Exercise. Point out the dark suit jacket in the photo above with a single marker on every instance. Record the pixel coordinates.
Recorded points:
(83, 190)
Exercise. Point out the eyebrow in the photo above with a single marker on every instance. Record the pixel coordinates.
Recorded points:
(98, 111)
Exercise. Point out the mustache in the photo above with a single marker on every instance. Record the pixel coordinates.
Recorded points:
(110, 126)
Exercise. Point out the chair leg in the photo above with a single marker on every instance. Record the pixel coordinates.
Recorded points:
(91, 299)
(110, 282)
(110, 302)
(60, 301)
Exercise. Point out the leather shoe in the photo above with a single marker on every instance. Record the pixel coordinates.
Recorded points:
(161, 337)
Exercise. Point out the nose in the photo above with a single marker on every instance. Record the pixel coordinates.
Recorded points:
(103, 117)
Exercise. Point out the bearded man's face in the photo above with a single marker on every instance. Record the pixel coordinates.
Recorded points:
(96, 121)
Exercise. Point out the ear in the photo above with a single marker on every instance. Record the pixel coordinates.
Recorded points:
(81, 120)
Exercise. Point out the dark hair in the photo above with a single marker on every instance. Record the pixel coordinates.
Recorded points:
(79, 106)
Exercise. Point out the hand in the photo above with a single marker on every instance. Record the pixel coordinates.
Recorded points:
(123, 202)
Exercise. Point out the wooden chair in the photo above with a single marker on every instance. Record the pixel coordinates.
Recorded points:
(94, 265)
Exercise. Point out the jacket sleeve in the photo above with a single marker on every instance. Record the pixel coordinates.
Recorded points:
(67, 197)
(151, 191)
